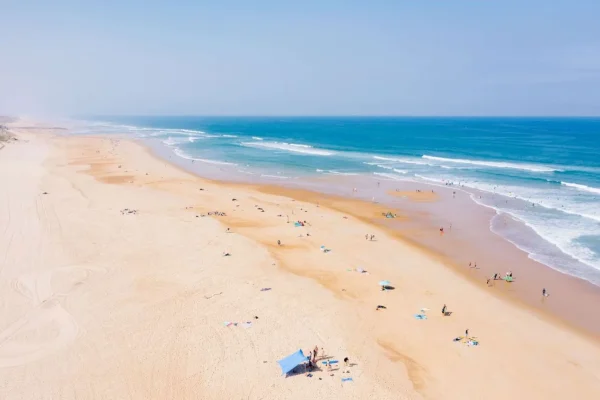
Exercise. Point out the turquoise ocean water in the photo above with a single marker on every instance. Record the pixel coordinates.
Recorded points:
(543, 173)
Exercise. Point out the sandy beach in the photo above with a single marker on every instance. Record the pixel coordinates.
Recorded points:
(115, 285)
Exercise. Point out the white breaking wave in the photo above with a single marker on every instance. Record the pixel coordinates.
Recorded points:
(257, 138)
(173, 141)
(183, 154)
(292, 147)
(494, 164)
(274, 176)
(216, 162)
(403, 160)
(582, 187)
(399, 171)
(333, 172)
(229, 136)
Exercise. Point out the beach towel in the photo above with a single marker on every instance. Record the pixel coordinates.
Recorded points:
(297, 224)
(420, 316)
(265, 289)
(330, 362)
(347, 380)
(247, 324)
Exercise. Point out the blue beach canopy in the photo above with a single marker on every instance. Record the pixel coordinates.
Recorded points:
(292, 361)
(385, 283)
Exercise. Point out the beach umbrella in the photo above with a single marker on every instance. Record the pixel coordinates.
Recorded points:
(385, 283)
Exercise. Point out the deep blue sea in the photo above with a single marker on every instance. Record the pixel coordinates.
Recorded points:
(548, 168)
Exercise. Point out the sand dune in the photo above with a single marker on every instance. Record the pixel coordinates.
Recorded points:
(100, 303)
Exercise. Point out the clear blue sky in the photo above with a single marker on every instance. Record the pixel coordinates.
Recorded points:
(402, 57)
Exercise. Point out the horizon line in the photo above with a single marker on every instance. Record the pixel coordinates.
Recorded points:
(333, 116)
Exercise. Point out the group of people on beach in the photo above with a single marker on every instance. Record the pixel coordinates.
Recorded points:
(312, 360)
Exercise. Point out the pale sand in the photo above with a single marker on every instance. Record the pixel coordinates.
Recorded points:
(97, 304)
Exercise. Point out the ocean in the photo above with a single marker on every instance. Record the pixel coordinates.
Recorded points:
(544, 173)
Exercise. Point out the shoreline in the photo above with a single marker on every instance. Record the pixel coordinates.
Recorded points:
(115, 266)
(572, 293)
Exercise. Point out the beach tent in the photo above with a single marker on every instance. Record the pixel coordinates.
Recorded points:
(292, 361)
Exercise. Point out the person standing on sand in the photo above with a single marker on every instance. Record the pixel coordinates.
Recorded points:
(279, 243)
(367, 236)
(444, 310)
(466, 333)
(544, 292)
(315, 353)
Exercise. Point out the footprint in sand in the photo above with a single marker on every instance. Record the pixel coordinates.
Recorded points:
(48, 327)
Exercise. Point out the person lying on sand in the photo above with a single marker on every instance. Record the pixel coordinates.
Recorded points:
(380, 307)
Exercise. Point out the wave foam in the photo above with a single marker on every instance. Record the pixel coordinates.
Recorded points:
(274, 176)
(402, 160)
(494, 164)
(185, 155)
(173, 141)
(583, 188)
(292, 147)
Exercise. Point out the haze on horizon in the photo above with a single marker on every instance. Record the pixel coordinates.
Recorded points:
(402, 57)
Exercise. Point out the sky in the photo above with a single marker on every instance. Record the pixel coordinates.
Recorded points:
(402, 57)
